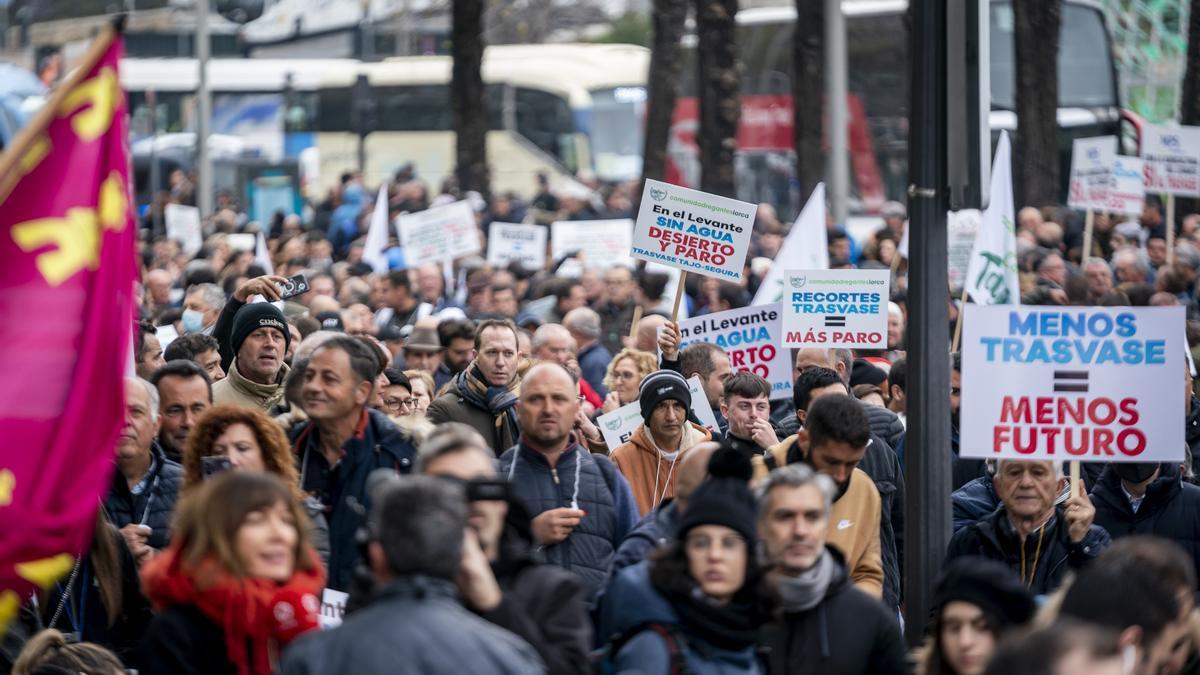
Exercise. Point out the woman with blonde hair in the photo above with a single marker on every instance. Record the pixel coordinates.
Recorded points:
(238, 583)
(624, 377)
(50, 649)
(248, 440)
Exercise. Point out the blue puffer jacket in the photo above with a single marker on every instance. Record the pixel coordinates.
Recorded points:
(579, 480)
(631, 601)
(657, 528)
(974, 501)
(377, 444)
(154, 506)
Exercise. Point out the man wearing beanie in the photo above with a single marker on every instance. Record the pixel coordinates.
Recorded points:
(649, 459)
(826, 625)
(260, 338)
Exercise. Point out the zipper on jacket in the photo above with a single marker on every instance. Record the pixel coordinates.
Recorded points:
(554, 475)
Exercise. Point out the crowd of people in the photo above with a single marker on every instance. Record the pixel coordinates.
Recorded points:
(427, 443)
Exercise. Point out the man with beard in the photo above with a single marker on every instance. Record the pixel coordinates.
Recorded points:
(260, 338)
(457, 337)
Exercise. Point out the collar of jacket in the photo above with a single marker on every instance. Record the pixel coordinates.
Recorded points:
(693, 434)
(417, 587)
(1003, 534)
(157, 459)
(251, 388)
(528, 454)
(1160, 491)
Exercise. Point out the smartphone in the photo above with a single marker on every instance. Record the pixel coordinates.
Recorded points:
(211, 466)
(487, 490)
(294, 286)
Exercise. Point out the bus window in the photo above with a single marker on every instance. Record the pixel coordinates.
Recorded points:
(403, 108)
(545, 120)
(618, 132)
(333, 109)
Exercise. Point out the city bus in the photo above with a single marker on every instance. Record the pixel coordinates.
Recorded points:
(878, 103)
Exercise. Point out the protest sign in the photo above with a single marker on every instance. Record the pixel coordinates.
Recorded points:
(692, 230)
(749, 336)
(836, 308)
(524, 244)
(333, 608)
(618, 426)
(183, 225)
(603, 243)
(439, 234)
(1172, 156)
(961, 229)
(1091, 164)
(1126, 191)
(1073, 383)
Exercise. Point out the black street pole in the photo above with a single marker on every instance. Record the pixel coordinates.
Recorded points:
(927, 464)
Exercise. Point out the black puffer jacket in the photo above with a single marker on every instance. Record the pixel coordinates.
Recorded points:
(848, 633)
(153, 507)
(1171, 509)
(1048, 558)
(885, 424)
(1191, 432)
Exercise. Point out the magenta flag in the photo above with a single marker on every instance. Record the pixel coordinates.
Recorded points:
(67, 268)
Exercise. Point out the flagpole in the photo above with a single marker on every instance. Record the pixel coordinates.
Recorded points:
(26, 137)
(1170, 229)
(678, 296)
(1089, 224)
(633, 326)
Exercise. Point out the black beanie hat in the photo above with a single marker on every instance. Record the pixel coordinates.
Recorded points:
(722, 501)
(663, 385)
(865, 372)
(254, 316)
(989, 585)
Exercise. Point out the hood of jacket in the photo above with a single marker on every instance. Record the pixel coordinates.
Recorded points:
(693, 434)
(254, 389)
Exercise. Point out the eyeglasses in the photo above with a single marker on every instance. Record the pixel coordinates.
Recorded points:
(392, 403)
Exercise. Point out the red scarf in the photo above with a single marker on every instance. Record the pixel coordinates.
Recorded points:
(262, 612)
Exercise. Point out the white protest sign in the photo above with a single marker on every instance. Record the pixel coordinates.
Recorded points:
(750, 336)
(845, 309)
(1172, 156)
(618, 426)
(604, 243)
(1073, 383)
(1126, 191)
(1091, 164)
(510, 242)
(183, 225)
(961, 229)
(166, 335)
(692, 230)
(439, 233)
(333, 608)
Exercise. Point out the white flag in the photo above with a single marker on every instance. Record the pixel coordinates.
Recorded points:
(903, 247)
(806, 248)
(992, 270)
(377, 234)
(261, 255)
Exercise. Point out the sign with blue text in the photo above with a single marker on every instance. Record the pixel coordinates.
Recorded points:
(750, 337)
(840, 309)
(694, 231)
(1073, 383)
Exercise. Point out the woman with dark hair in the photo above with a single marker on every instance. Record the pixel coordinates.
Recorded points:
(239, 581)
(250, 441)
(697, 603)
(99, 601)
(976, 602)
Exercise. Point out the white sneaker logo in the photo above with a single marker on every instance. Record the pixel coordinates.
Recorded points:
(844, 524)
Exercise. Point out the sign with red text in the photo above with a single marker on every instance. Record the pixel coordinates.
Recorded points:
(1172, 156)
(1091, 165)
(1126, 191)
(692, 230)
(842, 309)
(1073, 383)
(750, 337)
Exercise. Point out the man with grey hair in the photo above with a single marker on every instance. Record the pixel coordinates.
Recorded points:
(500, 579)
(1099, 279)
(414, 624)
(146, 483)
(826, 624)
(202, 306)
(1039, 539)
(1131, 266)
(584, 325)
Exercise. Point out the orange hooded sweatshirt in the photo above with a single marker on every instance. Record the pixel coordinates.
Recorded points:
(650, 475)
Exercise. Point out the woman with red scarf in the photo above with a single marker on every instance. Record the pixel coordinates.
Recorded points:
(239, 581)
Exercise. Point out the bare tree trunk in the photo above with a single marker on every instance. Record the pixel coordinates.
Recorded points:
(720, 105)
(468, 105)
(808, 83)
(665, 71)
(1036, 38)
(1189, 105)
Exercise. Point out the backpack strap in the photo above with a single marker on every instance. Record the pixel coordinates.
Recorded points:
(674, 640)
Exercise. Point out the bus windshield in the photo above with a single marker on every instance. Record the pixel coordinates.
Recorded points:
(1085, 77)
(618, 132)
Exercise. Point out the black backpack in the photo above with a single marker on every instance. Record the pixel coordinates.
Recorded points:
(604, 661)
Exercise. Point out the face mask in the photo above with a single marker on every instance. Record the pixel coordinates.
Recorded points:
(1135, 472)
(193, 321)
